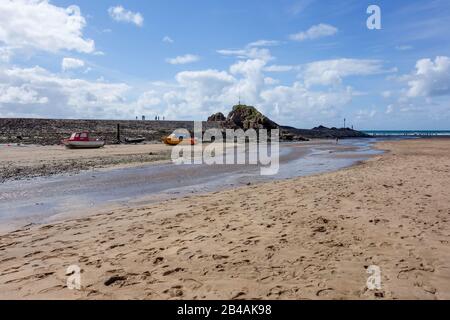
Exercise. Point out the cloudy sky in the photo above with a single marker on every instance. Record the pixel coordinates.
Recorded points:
(301, 62)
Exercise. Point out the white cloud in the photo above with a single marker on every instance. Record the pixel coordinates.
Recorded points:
(386, 94)
(248, 67)
(312, 106)
(431, 78)
(315, 32)
(5, 54)
(148, 99)
(23, 88)
(270, 81)
(331, 72)
(37, 24)
(120, 14)
(193, 95)
(20, 95)
(252, 81)
(263, 43)
(279, 68)
(248, 53)
(299, 6)
(197, 94)
(205, 82)
(365, 114)
(187, 58)
(389, 109)
(167, 39)
(71, 63)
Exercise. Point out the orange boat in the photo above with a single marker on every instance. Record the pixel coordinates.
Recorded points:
(174, 140)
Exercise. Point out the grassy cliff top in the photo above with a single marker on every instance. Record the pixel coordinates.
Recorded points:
(250, 111)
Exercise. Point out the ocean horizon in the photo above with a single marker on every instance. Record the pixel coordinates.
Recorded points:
(407, 132)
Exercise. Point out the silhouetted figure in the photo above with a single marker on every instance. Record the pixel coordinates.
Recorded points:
(337, 140)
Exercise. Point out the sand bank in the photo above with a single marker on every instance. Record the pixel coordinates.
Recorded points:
(26, 161)
(304, 238)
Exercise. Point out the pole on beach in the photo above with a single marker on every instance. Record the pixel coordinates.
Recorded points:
(118, 133)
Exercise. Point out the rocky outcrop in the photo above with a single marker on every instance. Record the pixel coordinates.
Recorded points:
(248, 117)
(322, 132)
(286, 135)
(217, 117)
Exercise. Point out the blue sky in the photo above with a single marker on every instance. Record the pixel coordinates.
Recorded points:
(301, 62)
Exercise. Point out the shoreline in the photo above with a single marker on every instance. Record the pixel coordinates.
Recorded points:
(26, 162)
(304, 238)
(43, 200)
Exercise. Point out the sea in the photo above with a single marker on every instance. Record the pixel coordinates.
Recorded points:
(417, 133)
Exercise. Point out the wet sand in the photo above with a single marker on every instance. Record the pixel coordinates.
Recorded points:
(304, 238)
(48, 199)
(28, 161)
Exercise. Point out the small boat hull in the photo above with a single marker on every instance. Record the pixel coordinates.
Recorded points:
(84, 144)
(134, 140)
(173, 141)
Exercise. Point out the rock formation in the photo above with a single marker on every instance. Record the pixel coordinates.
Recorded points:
(247, 117)
(217, 117)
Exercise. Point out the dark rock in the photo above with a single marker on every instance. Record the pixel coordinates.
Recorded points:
(114, 279)
(217, 117)
(322, 132)
(320, 128)
(248, 117)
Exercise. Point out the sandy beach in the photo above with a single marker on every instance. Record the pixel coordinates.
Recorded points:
(304, 238)
(27, 161)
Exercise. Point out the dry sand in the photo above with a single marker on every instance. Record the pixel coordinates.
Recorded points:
(25, 161)
(305, 238)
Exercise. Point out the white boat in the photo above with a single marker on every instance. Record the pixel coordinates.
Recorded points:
(81, 140)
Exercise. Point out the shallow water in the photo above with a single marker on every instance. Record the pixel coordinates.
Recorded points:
(41, 199)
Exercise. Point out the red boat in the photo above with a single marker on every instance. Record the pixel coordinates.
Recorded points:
(81, 140)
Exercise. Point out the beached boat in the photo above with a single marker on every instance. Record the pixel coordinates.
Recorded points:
(134, 140)
(174, 140)
(81, 140)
